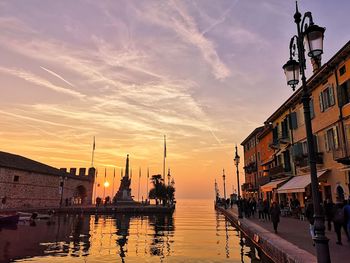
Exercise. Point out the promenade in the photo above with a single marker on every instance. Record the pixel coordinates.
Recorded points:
(297, 233)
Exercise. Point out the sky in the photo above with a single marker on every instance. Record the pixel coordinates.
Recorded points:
(204, 73)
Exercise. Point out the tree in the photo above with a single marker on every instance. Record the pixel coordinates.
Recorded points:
(161, 192)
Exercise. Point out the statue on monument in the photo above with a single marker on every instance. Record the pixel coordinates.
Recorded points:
(124, 192)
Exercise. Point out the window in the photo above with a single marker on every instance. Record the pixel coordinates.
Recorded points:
(326, 98)
(344, 93)
(293, 121)
(331, 139)
(304, 148)
(258, 157)
(342, 70)
(284, 125)
(16, 178)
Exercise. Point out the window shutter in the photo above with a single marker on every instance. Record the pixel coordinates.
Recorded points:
(326, 142)
(331, 96)
(335, 136)
(321, 102)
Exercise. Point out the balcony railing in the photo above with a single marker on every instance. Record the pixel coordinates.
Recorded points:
(283, 138)
(342, 154)
(250, 168)
(303, 160)
(278, 170)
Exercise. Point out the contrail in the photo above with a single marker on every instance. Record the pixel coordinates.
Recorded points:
(58, 76)
(216, 138)
(220, 19)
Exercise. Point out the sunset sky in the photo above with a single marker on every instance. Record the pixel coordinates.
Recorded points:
(205, 73)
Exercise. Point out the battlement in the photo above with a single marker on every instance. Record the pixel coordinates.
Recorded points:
(81, 171)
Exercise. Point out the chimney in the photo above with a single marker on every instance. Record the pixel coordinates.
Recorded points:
(316, 63)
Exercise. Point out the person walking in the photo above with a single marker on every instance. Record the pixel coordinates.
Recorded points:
(253, 207)
(260, 207)
(338, 219)
(309, 213)
(328, 208)
(267, 210)
(347, 217)
(275, 213)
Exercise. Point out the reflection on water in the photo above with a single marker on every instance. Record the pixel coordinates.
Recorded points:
(195, 233)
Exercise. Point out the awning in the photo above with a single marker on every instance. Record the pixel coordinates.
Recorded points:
(272, 185)
(298, 183)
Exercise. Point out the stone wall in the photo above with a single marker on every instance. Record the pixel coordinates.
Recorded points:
(30, 189)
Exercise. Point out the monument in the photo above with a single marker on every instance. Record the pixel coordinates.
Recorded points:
(124, 192)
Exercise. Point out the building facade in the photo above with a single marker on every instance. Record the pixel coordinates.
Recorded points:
(26, 183)
(251, 157)
(285, 169)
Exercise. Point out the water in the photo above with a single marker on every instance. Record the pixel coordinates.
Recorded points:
(194, 233)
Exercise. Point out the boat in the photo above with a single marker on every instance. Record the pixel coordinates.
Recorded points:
(24, 216)
(9, 219)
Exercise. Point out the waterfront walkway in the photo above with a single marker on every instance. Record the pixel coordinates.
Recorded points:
(297, 232)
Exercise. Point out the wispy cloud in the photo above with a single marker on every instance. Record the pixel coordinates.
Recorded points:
(174, 16)
(27, 76)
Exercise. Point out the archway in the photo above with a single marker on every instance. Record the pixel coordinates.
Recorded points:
(80, 194)
(340, 193)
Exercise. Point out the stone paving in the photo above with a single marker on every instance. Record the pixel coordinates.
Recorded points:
(297, 232)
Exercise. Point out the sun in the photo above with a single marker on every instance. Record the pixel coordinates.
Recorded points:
(106, 184)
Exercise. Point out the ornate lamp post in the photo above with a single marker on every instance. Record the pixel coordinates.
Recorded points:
(236, 159)
(224, 177)
(311, 36)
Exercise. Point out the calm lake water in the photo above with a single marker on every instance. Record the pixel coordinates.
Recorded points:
(194, 233)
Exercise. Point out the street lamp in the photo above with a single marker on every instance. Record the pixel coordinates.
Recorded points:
(310, 36)
(224, 177)
(239, 202)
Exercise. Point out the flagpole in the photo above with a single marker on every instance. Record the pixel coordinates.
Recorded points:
(138, 190)
(93, 152)
(147, 183)
(164, 159)
(104, 187)
(113, 184)
(95, 186)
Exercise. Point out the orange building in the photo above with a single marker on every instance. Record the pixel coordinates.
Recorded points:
(251, 158)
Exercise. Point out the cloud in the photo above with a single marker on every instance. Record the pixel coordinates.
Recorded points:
(27, 76)
(175, 17)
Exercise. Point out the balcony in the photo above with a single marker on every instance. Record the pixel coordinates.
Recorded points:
(250, 168)
(303, 160)
(342, 154)
(263, 180)
(278, 171)
(283, 138)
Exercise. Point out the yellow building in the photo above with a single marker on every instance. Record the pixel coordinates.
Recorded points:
(289, 173)
(330, 112)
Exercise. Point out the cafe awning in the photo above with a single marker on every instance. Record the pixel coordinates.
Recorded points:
(272, 185)
(298, 183)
